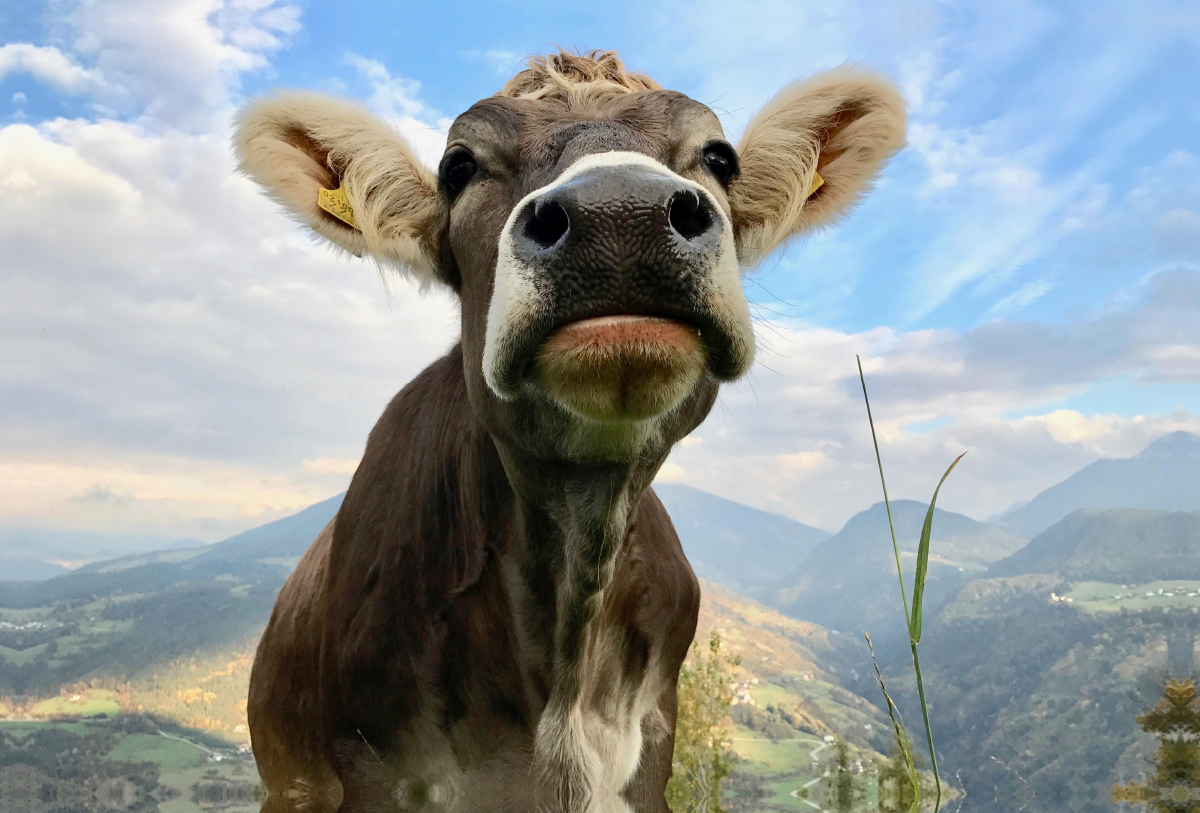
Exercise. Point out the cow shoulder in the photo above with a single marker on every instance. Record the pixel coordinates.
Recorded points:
(411, 534)
(284, 687)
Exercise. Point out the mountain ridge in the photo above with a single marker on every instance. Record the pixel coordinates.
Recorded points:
(1163, 476)
(848, 581)
(733, 544)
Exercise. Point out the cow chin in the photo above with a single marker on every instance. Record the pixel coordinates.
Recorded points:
(621, 368)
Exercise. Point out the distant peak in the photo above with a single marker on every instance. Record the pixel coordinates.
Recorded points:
(1172, 444)
(901, 504)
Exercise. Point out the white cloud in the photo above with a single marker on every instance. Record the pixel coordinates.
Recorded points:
(1025, 295)
(180, 357)
(671, 472)
(795, 438)
(174, 62)
(181, 360)
(120, 490)
(1016, 110)
(48, 64)
(170, 336)
(331, 465)
(394, 96)
(502, 63)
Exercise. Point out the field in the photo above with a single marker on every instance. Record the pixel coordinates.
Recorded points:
(182, 651)
(130, 762)
(790, 710)
(88, 704)
(796, 773)
(1102, 597)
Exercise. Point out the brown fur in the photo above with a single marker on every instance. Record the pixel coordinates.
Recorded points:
(496, 618)
(427, 549)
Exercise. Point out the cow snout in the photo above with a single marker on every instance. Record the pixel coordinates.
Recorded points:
(627, 220)
(619, 278)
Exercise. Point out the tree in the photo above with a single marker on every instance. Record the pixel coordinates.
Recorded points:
(1175, 785)
(702, 758)
(844, 795)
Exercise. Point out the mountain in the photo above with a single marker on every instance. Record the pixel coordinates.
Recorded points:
(848, 581)
(1034, 678)
(740, 548)
(1119, 545)
(25, 568)
(1036, 671)
(125, 618)
(729, 543)
(34, 554)
(1164, 476)
(134, 613)
(1034, 685)
(280, 543)
(281, 539)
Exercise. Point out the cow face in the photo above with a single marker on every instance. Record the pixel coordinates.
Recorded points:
(594, 235)
(603, 290)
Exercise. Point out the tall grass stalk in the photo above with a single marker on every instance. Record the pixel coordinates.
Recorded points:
(911, 617)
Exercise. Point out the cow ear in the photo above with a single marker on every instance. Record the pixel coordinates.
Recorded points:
(345, 174)
(810, 155)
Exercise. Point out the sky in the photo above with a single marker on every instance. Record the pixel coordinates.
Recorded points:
(180, 359)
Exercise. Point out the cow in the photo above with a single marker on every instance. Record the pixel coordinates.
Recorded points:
(496, 618)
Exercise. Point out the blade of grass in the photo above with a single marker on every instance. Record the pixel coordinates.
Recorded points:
(918, 602)
(913, 619)
(910, 764)
(914, 633)
(937, 778)
(886, 502)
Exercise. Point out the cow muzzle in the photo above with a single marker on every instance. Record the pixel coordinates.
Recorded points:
(616, 290)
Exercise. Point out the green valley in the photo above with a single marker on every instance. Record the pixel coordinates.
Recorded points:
(1038, 658)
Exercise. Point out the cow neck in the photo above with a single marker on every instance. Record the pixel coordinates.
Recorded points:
(575, 522)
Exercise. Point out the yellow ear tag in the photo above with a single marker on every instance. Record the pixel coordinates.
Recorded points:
(817, 183)
(337, 204)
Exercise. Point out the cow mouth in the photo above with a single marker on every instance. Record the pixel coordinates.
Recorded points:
(558, 353)
(621, 367)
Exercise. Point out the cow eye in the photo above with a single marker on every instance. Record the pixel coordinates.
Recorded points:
(457, 170)
(721, 161)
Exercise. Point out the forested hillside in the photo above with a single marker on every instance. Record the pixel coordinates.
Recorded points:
(1114, 545)
(1034, 701)
(1035, 677)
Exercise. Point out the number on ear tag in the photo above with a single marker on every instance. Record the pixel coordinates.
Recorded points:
(337, 204)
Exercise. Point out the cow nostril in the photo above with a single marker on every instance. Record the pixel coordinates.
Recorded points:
(548, 224)
(689, 215)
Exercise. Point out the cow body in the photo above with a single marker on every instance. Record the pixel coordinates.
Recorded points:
(496, 618)
(431, 529)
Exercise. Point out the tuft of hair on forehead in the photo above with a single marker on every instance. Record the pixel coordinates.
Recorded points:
(567, 76)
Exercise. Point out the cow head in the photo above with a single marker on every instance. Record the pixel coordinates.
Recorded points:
(594, 227)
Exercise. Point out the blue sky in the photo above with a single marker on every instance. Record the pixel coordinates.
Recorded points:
(1033, 123)
(1023, 281)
